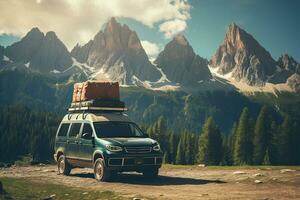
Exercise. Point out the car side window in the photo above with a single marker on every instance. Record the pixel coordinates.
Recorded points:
(63, 130)
(87, 131)
(75, 129)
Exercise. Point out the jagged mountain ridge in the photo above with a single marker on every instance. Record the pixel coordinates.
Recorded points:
(242, 55)
(43, 53)
(181, 65)
(116, 53)
(242, 60)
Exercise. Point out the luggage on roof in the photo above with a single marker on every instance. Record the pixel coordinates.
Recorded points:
(96, 96)
(96, 90)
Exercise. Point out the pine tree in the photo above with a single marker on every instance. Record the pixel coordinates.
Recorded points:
(243, 142)
(172, 148)
(261, 136)
(180, 151)
(274, 144)
(226, 149)
(285, 141)
(231, 141)
(210, 144)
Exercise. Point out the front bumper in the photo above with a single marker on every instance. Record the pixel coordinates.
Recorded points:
(133, 162)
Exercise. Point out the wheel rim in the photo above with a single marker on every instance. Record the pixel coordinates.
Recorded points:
(98, 171)
(61, 166)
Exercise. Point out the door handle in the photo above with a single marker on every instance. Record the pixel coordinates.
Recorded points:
(68, 141)
(79, 142)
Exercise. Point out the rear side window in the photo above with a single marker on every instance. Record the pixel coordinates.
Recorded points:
(63, 130)
(75, 129)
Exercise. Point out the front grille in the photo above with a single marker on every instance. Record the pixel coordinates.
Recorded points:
(141, 149)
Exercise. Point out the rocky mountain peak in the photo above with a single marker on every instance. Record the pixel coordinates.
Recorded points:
(180, 40)
(51, 35)
(180, 63)
(287, 62)
(117, 53)
(52, 55)
(119, 36)
(242, 55)
(34, 32)
(40, 52)
(23, 50)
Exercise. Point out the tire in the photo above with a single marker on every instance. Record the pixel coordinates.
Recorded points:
(101, 172)
(63, 166)
(151, 173)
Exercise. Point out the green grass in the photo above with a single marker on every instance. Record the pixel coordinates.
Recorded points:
(22, 188)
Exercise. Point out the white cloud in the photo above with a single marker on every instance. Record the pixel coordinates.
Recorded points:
(151, 49)
(78, 20)
(172, 27)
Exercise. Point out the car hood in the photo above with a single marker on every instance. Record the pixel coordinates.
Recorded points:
(130, 141)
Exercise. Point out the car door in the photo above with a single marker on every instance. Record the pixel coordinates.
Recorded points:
(72, 142)
(61, 137)
(86, 146)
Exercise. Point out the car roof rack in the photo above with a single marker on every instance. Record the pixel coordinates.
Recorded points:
(93, 108)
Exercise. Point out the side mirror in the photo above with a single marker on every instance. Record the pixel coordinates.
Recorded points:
(87, 136)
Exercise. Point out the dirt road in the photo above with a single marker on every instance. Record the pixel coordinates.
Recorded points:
(191, 182)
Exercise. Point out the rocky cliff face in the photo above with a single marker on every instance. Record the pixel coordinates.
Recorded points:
(286, 67)
(242, 55)
(286, 62)
(294, 82)
(43, 53)
(117, 54)
(180, 64)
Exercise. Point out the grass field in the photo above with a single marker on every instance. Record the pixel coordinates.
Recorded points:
(24, 188)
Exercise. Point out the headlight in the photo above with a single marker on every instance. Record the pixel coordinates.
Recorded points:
(113, 148)
(156, 147)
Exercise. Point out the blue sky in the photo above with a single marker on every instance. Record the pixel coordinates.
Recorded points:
(274, 23)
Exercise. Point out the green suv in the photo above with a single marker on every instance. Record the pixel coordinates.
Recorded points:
(107, 142)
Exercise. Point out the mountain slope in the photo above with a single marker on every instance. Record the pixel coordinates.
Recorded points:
(244, 57)
(116, 54)
(181, 65)
(52, 55)
(24, 50)
(42, 53)
(286, 67)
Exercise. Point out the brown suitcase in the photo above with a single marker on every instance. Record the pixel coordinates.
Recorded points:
(96, 90)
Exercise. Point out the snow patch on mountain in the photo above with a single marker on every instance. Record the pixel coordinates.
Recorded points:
(163, 76)
(244, 87)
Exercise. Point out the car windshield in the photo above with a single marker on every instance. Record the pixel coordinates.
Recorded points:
(117, 129)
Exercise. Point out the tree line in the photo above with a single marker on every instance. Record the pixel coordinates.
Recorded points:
(260, 141)
(251, 142)
(26, 132)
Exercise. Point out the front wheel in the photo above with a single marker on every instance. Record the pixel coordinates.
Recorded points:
(151, 173)
(101, 172)
(63, 166)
